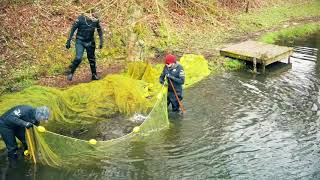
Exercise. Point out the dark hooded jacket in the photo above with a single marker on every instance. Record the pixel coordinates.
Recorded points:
(18, 116)
(176, 75)
(86, 28)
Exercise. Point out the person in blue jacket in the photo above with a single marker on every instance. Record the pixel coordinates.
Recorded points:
(174, 72)
(14, 122)
(85, 26)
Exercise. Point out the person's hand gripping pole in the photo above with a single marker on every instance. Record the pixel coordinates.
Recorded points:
(176, 95)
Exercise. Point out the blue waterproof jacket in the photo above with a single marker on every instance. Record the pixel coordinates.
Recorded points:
(176, 75)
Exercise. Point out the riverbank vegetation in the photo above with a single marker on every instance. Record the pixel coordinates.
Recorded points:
(290, 33)
(33, 33)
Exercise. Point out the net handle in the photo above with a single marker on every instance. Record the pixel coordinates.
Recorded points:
(31, 145)
(175, 93)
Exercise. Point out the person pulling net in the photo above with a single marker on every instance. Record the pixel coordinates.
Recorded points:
(62, 151)
(14, 123)
(136, 91)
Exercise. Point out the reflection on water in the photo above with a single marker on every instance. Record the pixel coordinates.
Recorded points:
(237, 126)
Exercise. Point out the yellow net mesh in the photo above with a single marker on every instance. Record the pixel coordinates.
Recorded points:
(136, 91)
(85, 103)
(196, 67)
(58, 150)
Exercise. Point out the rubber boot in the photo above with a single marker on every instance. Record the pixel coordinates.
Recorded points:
(13, 159)
(70, 72)
(95, 77)
(69, 76)
(72, 68)
(94, 71)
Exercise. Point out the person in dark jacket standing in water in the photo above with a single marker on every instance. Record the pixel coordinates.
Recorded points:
(13, 124)
(85, 26)
(173, 71)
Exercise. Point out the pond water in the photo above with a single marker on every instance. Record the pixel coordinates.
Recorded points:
(237, 126)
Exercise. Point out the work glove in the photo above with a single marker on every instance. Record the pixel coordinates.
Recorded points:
(68, 44)
(169, 76)
(28, 125)
(161, 81)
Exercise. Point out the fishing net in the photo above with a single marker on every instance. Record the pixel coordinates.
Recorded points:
(85, 103)
(136, 91)
(196, 68)
(58, 150)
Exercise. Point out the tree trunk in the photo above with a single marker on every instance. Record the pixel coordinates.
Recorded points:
(133, 48)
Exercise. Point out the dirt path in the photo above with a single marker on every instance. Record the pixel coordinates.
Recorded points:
(82, 75)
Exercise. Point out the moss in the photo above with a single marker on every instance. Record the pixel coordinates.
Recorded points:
(21, 78)
(20, 2)
(141, 30)
(159, 41)
(221, 64)
(232, 64)
(290, 33)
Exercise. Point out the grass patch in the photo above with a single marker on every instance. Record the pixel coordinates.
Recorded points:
(221, 64)
(290, 33)
(22, 78)
(203, 37)
(268, 17)
(233, 64)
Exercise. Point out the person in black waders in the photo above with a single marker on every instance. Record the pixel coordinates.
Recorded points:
(14, 122)
(173, 71)
(85, 26)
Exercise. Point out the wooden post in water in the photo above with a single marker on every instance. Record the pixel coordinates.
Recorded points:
(254, 65)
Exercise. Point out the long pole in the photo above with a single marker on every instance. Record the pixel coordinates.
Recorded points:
(31, 146)
(175, 93)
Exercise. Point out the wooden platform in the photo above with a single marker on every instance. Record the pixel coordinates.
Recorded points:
(257, 52)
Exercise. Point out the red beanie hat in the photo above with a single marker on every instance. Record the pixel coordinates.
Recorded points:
(170, 59)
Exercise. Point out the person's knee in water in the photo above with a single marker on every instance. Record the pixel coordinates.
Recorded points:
(85, 26)
(14, 122)
(175, 76)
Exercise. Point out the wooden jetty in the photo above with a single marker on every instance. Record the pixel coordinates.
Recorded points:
(258, 53)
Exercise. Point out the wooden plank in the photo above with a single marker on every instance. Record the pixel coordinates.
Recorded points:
(262, 52)
(279, 57)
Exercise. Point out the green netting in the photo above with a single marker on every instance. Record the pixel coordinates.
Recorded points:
(58, 150)
(196, 67)
(137, 90)
(86, 103)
